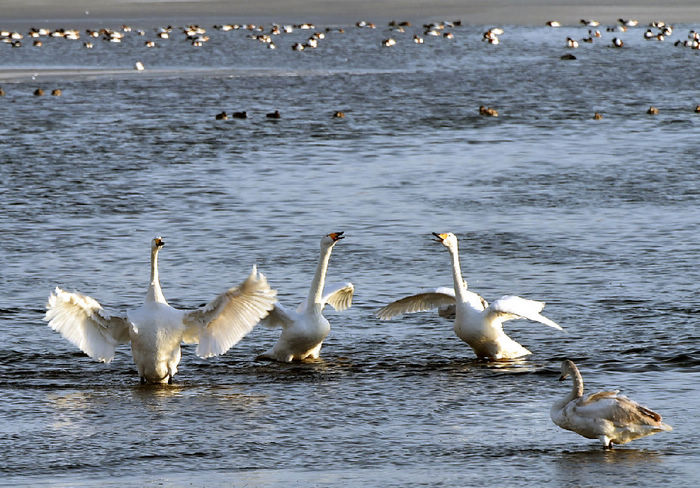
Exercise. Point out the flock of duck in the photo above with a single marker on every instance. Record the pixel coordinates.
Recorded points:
(198, 36)
(156, 331)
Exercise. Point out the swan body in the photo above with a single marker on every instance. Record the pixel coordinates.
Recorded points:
(476, 322)
(305, 329)
(607, 415)
(155, 329)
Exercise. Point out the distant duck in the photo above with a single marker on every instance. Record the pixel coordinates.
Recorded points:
(590, 23)
(222, 116)
(617, 42)
(617, 28)
(567, 57)
(341, 115)
(597, 116)
(628, 22)
(553, 23)
(389, 42)
(37, 43)
(448, 35)
(298, 46)
(649, 34)
(697, 107)
(587, 39)
(606, 415)
(653, 110)
(150, 44)
(571, 43)
(56, 92)
(488, 111)
(138, 66)
(38, 92)
(88, 45)
(491, 35)
(274, 115)
(240, 115)
(418, 39)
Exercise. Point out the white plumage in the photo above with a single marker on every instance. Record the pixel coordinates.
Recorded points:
(475, 321)
(606, 415)
(304, 330)
(156, 329)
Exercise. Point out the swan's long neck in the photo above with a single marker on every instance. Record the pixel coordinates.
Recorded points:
(155, 294)
(577, 389)
(460, 287)
(316, 290)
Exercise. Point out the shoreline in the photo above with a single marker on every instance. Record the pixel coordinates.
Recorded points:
(344, 12)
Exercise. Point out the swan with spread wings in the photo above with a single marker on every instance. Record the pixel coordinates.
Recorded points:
(475, 321)
(155, 329)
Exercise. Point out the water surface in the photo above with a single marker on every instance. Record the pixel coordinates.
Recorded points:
(597, 218)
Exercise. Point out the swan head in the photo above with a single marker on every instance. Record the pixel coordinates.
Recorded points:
(157, 243)
(448, 239)
(330, 239)
(567, 368)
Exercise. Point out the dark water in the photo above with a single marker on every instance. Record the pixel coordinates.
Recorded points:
(597, 218)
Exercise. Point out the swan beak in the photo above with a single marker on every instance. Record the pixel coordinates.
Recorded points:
(440, 237)
(336, 236)
(158, 242)
(562, 377)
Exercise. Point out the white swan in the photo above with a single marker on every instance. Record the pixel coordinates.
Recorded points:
(476, 322)
(304, 330)
(156, 329)
(606, 415)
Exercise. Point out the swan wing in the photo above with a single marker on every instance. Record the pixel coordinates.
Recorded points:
(279, 316)
(512, 307)
(339, 295)
(83, 322)
(618, 409)
(224, 321)
(420, 302)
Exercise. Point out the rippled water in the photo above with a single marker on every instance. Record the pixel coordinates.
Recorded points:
(597, 218)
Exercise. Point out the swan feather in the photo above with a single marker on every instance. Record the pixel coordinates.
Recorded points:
(224, 321)
(513, 307)
(339, 295)
(439, 298)
(83, 322)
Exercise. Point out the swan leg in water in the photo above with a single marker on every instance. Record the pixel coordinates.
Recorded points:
(305, 329)
(476, 322)
(607, 416)
(155, 329)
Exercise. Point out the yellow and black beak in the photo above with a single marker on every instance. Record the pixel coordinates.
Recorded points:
(336, 236)
(158, 242)
(440, 237)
